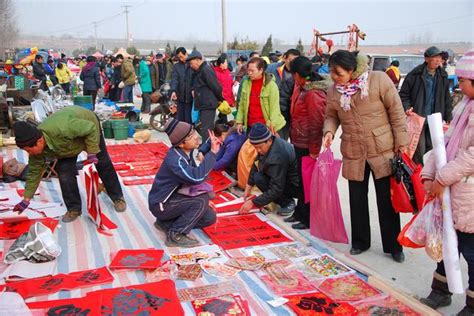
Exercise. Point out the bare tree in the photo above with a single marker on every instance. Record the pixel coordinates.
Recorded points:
(8, 27)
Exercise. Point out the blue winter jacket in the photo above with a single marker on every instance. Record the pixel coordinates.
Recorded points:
(176, 170)
(229, 150)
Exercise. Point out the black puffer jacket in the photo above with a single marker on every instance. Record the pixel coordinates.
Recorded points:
(207, 90)
(181, 82)
(279, 165)
(286, 85)
(412, 92)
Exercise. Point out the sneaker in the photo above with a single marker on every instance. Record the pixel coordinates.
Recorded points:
(120, 205)
(398, 257)
(180, 240)
(287, 210)
(70, 216)
(291, 219)
(299, 226)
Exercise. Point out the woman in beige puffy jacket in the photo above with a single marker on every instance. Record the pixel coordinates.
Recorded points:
(370, 112)
(458, 175)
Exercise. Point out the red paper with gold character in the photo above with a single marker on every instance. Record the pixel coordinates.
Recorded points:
(318, 304)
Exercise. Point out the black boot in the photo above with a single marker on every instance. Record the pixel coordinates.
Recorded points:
(468, 310)
(440, 295)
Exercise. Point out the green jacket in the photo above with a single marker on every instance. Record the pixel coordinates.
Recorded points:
(67, 133)
(270, 101)
(128, 73)
(144, 77)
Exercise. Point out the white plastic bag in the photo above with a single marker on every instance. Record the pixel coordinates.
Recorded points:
(137, 91)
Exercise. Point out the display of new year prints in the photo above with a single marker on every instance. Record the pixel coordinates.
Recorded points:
(384, 306)
(292, 251)
(322, 267)
(198, 254)
(145, 259)
(349, 288)
(209, 291)
(293, 282)
(318, 304)
(246, 263)
(219, 270)
(226, 305)
(189, 272)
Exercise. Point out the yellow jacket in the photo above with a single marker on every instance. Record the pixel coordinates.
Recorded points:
(64, 75)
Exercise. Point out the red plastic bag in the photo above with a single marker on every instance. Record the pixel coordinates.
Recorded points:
(326, 220)
(307, 167)
(406, 189)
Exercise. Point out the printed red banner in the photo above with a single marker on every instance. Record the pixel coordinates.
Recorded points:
(316, 303)
(138, 181)
(137, 259)
(220, 180)
(55, 283)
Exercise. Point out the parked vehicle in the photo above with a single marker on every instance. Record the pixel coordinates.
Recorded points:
(407, 62)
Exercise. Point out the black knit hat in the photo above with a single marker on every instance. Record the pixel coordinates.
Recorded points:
(259, 134)
(26, 134)
(177, 131)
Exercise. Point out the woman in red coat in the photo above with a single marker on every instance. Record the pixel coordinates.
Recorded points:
(224, 77)
(308, 104)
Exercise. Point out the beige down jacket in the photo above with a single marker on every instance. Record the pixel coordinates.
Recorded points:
(372, 130)
(458, 174)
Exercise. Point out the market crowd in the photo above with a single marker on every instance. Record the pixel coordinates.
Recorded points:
(286, 107)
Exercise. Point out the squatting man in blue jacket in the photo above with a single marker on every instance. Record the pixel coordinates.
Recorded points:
(179, 197)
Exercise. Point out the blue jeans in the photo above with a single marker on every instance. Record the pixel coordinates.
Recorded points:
(181, 213)
(128, 93)
(466, 247)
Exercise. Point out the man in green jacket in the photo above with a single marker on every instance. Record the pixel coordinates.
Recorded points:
(129, 79)
(63, 136)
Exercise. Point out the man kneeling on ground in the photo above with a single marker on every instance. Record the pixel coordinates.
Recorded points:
(179, 197)
(63, 136)
(274, 171)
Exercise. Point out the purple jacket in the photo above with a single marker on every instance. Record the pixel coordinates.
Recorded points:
(228, 152)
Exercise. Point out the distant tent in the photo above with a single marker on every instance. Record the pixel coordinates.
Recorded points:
(122, 51)
(97, 55)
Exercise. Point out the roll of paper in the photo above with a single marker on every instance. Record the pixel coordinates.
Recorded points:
(450, 239)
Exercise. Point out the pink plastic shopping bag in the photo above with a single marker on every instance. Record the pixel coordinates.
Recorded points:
(326, 220)
(307, 167)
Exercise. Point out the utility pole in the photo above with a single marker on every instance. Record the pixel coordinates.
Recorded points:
(224, 28)
(126, 19)
(95, 34)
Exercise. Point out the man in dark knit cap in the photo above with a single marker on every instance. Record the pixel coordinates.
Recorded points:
(63, 136)
(274, 171)
(179, 197)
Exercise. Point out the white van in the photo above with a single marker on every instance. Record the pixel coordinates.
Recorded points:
(407, 62)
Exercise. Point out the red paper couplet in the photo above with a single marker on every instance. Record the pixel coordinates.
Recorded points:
(137, 259)
(52, 284)
(219, 181)
(71, 306)
(243, 231)
(13, 230)
(138, 181)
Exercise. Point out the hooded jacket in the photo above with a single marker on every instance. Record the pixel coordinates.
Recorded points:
(225, 79)
(412, 92)
(91, 77)
(308, 104)
(374, 127)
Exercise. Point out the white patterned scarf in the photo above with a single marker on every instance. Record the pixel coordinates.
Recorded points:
(351, 88)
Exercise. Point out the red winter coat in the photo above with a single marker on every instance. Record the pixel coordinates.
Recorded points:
(308, 105)
(225, 79)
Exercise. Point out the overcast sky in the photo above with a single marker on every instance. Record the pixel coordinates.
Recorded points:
(385, 22)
